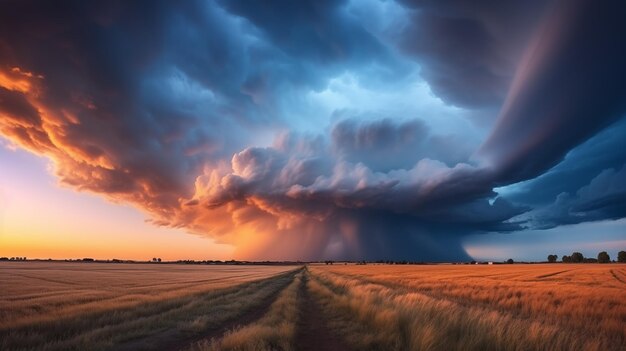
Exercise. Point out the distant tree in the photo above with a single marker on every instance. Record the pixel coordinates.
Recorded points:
(603, 257)
(552, 258)
(159, 259)
(621, 257)
(510, 261)
(154, 259)
(566, 259)
(577, 257)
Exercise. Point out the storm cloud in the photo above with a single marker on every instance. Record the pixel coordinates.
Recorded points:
(319, 129)
(603, 198)
(570, 85)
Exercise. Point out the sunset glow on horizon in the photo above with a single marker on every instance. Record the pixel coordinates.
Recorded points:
(65, 224)
(218, 130)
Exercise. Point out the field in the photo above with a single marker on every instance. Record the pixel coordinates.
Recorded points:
(78, 306)
(500, 307)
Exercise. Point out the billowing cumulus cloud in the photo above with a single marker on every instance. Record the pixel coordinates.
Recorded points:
(385, 144)
(316, 129)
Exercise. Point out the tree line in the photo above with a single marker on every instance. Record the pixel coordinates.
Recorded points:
(577, 257)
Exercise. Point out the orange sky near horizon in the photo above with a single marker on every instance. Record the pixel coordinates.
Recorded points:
(41, 219)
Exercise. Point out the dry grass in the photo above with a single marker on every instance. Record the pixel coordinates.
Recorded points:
(39, 291)
(91, 306)
(275, 331)
(534, 307)
(374, 307)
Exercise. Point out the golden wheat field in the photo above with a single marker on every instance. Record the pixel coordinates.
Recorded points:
(499, 307)
(78, 306)
(85, 306)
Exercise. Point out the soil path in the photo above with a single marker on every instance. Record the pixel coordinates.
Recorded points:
(313, 332)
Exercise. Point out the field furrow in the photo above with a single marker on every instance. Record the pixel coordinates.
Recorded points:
(146, 324)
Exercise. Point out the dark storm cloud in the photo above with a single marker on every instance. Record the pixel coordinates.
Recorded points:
(387, 144)
(469, 50)
(164, 105)
(603, 198)
(152, 91)
(315, 31)
(603, 151)
(570, 85)
(110, 130)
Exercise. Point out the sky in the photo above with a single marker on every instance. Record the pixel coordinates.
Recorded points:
(282, 130)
